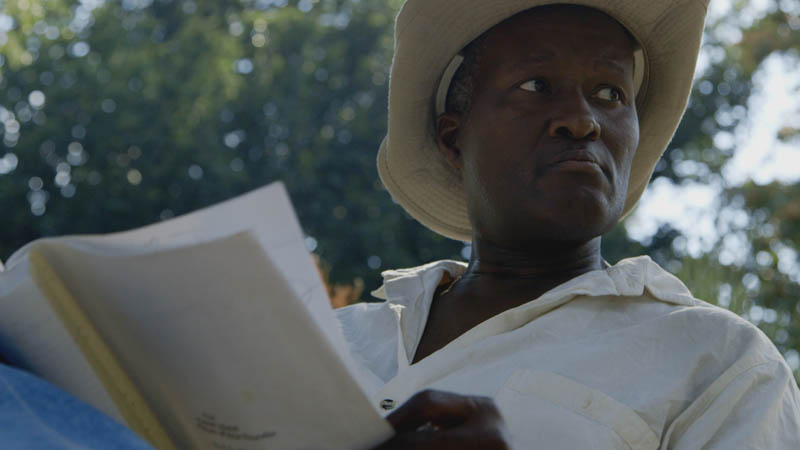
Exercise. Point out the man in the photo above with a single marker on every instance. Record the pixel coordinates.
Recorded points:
(532, 143)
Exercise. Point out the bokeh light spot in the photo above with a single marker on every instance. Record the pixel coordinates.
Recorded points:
(243, 66)
(79, 49)
(258, 40)
(305, 5)
(195, 172)
(8, 163)
(35, 183)
(108, 106)
(374, 262)
(134, 177)
(237, 164)
(36, 99)
(311, 243)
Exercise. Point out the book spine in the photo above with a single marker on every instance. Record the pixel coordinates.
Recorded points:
(137, 413)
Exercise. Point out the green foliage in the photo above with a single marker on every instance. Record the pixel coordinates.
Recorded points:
(153, 110)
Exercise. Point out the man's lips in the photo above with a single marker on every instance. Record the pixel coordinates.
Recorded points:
(578, 165)
(576, 160)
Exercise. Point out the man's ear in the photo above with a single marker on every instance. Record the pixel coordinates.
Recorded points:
(448, 126)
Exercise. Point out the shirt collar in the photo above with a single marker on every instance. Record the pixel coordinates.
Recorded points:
(628, 277)
(409, 292)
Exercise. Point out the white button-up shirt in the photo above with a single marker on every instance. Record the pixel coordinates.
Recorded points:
(621, 358)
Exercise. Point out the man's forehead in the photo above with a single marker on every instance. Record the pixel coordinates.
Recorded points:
(614, 57)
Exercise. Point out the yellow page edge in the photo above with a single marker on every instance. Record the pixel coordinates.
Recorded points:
(137, 413)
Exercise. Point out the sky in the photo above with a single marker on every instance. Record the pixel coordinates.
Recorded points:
(760, 156)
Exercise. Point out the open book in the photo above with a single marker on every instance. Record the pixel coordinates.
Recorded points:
(209, 331)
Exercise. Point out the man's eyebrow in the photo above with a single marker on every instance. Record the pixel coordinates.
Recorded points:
(612, 63)
(531, 59)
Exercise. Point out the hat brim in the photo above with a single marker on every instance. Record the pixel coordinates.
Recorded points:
(428, 33)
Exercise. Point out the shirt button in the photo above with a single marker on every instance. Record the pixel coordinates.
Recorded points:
(387, 404)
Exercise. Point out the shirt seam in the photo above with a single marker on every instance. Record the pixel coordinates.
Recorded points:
(707, 403)
(580, 413)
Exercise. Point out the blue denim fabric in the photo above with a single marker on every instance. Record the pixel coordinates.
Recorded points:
(36, 415)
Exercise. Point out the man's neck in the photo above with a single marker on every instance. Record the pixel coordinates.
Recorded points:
(500, 279)
(549, 261)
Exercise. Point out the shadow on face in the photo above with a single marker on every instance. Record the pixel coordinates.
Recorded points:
(545, 141)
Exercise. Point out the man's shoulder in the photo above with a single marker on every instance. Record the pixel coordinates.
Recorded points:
(725, 331)
(691, 322)
(711, 341)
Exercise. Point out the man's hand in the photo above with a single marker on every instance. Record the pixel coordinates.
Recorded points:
(442, 420)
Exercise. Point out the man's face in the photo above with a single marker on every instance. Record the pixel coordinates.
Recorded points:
(545, 150)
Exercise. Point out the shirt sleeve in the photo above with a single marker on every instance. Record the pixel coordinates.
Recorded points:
(755, 407)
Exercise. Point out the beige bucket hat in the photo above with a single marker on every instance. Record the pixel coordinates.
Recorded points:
(430, 33)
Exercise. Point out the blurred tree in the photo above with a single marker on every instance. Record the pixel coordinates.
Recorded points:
(119, 114)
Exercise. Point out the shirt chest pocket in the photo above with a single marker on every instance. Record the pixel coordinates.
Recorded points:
(549, 411)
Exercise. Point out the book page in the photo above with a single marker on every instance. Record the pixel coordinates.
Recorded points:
(135, 410)
(268, 214)
(37, 339)
(221, 347)
(33, 338)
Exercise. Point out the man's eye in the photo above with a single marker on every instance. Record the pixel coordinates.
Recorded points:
(609, 94)
(535, 85)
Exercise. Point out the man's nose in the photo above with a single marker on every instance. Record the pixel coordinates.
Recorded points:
(574, 119)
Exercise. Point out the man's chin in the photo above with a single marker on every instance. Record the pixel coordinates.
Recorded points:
(581, 223)
(537, 235)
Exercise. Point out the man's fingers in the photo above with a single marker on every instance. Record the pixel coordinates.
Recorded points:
(442, 420)
(441, 409)
(463, 437)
